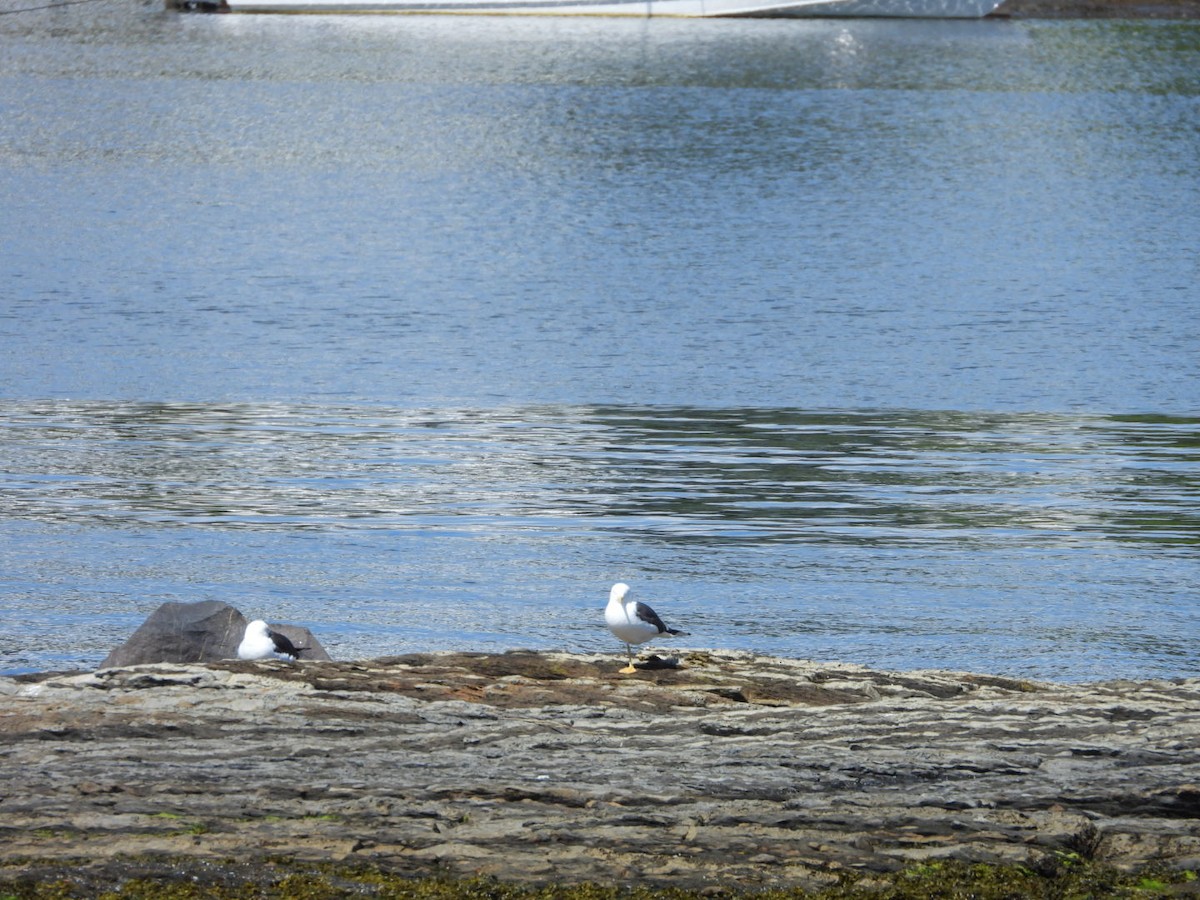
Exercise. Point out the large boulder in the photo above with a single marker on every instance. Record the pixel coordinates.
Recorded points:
(197, 632)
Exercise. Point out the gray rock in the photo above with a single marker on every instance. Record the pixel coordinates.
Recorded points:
(208, 631)
(182, 633)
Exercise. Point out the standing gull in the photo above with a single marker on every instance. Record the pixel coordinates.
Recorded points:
(260, 642)
(633, 622)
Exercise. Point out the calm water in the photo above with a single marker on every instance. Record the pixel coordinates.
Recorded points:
(870, 341)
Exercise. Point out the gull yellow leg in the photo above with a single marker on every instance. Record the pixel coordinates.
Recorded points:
(629, 669)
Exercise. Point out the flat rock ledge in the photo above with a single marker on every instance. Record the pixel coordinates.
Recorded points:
(733, 770)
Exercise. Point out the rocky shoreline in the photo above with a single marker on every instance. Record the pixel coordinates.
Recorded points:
(733, 770)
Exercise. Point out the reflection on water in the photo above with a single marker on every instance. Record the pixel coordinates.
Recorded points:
(893, 533)
(695, 475)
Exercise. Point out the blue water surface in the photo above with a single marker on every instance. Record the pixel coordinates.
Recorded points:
(870, 341)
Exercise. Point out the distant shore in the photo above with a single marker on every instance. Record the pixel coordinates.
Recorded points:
(1099, 9)
(1015, 9)
(731, 770)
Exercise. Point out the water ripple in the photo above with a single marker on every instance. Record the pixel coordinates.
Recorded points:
(690, 475)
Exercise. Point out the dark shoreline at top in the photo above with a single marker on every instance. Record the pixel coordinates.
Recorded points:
(1132, 10)
(1099, 9)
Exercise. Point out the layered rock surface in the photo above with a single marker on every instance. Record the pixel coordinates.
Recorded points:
(738, 770)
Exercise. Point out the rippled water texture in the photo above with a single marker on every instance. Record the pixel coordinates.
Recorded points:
(872, 341)
(1037, 544)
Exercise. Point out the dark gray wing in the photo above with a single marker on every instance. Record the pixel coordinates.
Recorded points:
(646, 614)
(283, 645)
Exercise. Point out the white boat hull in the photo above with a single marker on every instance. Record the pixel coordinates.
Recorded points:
(932, 9)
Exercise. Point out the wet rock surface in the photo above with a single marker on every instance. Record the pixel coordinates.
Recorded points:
(732, 769)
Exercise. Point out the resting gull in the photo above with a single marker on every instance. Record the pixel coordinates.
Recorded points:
(260, 642)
